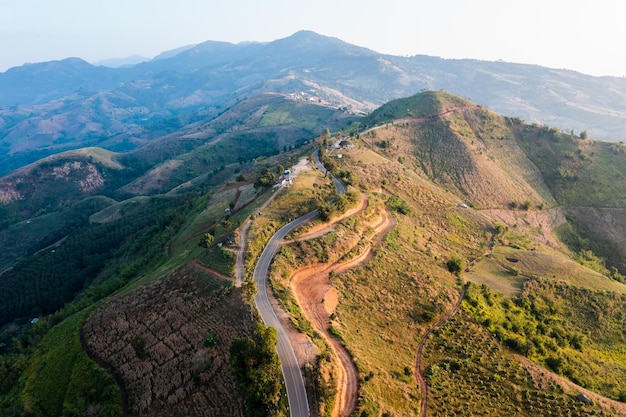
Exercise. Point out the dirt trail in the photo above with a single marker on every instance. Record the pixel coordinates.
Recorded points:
(540, 373)
(419, 378)
(240, 271)
(197, 265)
(318, 300)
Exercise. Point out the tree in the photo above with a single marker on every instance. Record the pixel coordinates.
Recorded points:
(206, 240)
(455, 265)
(583, 134)
(322, 153)
(256, 367)
(265, 179)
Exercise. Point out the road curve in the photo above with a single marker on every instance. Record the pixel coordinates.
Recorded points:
(294, 383)
(341, 189)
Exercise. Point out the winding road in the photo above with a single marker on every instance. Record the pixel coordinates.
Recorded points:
(294, 382)
(341, 189)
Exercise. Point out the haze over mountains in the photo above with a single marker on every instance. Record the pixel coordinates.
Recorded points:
(54, 106)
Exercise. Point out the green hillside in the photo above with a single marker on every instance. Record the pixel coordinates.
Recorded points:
(580, 172)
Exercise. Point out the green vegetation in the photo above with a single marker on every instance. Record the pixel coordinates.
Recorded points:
(265, 178)
(206, 240)
(211, 339)
(573, 331)
(63, 271)
(339, 205)
(37, 233)
(558, 313)
(578, 172)
(426, 104)
(397, 204)
(455, 265)
(591, 247)
(256, 367)
(303, 196)
(469, 372)
(61, 380)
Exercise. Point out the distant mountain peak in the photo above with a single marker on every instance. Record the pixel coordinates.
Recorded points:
(122, 62)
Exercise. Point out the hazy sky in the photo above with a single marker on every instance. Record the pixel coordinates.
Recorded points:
(585, 35)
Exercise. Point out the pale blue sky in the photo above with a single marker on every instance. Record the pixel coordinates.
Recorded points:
(581, 35)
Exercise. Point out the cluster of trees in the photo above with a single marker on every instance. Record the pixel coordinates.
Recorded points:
(455, 265)
(531, 325)
(256, 367)
(265, 179)
(553, 323)
(341, 204)
(397, 204)
(44, 282)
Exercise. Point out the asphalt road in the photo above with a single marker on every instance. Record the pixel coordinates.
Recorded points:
(341, 189)
(294, 383)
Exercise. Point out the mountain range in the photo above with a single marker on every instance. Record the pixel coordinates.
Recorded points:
(60, 105)
(475, 265)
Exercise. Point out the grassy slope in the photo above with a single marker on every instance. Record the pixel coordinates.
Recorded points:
(467, 149)
(389, 302)
(579, 172)
(374, 296)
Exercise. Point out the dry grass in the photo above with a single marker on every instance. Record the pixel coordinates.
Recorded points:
(386, 304)
(531, 263)
(103, 156)
(496, 277)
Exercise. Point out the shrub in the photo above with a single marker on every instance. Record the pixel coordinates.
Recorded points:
(397, 204)
(211, 339)
(455, 265)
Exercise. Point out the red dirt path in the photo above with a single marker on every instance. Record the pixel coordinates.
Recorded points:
(318, 300)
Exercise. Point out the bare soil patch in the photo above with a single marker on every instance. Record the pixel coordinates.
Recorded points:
(154, 338)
